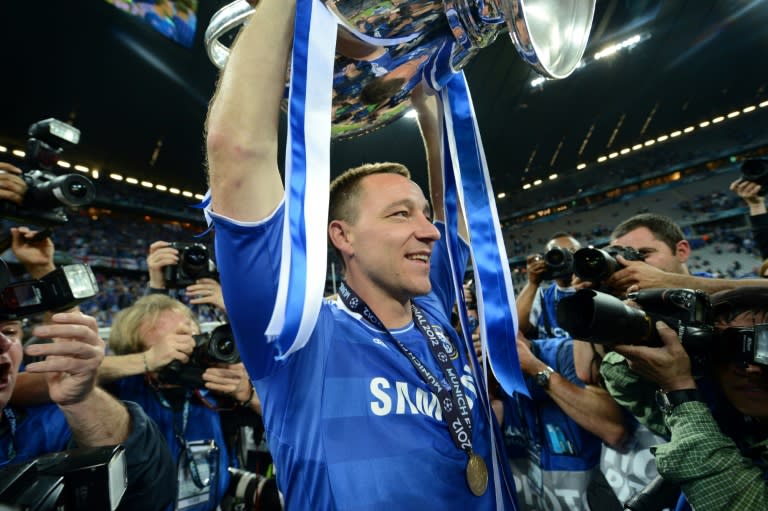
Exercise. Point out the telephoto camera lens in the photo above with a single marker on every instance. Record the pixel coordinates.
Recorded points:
(594, 264)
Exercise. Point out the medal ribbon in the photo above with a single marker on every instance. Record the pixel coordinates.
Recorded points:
(453, 401)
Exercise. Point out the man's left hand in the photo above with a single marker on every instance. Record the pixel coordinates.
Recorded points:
(528, 361)
(231, 380)
(72, 359)
(668, 366)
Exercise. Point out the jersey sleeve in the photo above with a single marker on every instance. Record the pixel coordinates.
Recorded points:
(248, 257)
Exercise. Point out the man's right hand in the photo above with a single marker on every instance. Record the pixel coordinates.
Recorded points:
(161, 254)
(176, 346)
(12, 186)
(749, 191)
(36, 256)
(536, 266)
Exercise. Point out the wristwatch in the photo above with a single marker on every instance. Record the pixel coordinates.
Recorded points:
(542, 377)
(667, 401)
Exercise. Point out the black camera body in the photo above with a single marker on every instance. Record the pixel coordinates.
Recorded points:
(559, 263)
(58, 290)
(598, 264)
(48, 194)
(194, 263)
(604, 319)
(84, 478)
(756, 170)
(215, 347)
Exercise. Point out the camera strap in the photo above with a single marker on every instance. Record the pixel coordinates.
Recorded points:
(454, 403)
(10, 416)
(179, 432)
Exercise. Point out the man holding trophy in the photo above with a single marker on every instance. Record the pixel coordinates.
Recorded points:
(368, 414)
(371, 401)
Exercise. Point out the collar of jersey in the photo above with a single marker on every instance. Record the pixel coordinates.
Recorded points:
(340, 304)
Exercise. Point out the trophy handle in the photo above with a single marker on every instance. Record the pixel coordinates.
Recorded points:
(550, 35)
(225, 20)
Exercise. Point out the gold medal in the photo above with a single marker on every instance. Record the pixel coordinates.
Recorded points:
(477, 474)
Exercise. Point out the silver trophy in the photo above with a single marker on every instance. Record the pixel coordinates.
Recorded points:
(383, 46)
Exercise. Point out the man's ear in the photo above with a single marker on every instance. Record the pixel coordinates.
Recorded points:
(683, 250)
(341, 237)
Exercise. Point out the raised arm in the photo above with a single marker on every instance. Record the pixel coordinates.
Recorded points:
(427, 107)
(242, 124)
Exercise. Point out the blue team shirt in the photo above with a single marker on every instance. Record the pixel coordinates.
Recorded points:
(203, 426)
(39, 430)
(350, 424)
(543, 314)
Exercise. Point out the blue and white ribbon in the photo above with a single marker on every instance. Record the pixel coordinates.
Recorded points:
(464, 156)
(307, 178)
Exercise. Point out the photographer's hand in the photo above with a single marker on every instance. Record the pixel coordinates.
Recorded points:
(535, 268)
(638, 275)
(749, 190)
(176, 346)
(206, 290)
(668, 366)
(528, 361)
(36, 256)
(71, 365)
(12, 187)
(161, 254)
(233, 381)
(72, 360)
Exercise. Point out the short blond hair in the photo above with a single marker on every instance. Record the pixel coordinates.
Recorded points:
(345, 191)
(125, 334)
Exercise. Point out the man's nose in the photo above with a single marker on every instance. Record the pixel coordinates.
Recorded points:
(5, 343)
(427, 230)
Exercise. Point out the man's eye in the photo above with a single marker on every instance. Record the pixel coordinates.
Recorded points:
(402, 213)
(11, 332)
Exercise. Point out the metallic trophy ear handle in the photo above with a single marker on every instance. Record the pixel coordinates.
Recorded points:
(550, 35)
(224, 21)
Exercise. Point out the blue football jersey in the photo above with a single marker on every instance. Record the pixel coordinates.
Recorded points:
(350, 423)
(39, 430)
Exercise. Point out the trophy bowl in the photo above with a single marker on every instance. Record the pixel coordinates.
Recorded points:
(383, 47)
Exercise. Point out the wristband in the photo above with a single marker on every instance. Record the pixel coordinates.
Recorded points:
(250, 398)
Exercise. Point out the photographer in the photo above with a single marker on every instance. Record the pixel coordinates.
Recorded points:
(204, 290)
(666, 251)
(83, 414)
(718, 457)
(146, 337)
(77, 351)
(536, 304)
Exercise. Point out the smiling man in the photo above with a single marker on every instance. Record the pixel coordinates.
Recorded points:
(379, 409)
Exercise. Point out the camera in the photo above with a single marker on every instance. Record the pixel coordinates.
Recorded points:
(215, 347)
(58, 290)
(83, 478)
(597, 264)
(559, 263)
(194, 263)
(756, 171)
(48, 194)
(604, 319)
